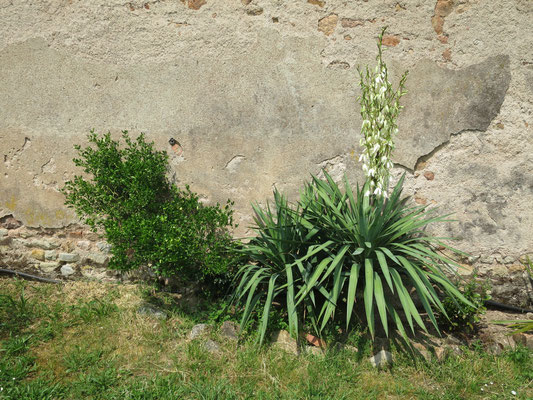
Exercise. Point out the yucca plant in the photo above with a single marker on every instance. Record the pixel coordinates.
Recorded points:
(334, 251)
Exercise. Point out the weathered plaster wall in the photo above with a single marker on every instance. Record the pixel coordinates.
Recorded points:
(262, 93)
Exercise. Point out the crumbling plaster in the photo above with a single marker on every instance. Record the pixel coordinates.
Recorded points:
(263, 93)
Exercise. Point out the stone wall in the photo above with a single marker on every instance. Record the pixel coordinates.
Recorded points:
(263, 93)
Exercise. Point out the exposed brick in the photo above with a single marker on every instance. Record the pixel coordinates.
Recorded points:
(328, 24)
(196, 4)
(390, 40)
(319, 3)
(429, 175)
(351, 23)
(443, 39)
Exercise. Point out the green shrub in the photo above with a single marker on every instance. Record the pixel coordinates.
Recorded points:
(464, 317)
(318, 258)
(149, 221)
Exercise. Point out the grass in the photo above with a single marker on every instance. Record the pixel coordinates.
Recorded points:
(85, 340)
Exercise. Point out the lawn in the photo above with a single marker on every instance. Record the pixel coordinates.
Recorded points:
(87, 340)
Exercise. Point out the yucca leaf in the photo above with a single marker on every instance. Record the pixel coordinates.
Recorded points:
(249, 308)
(309, 284)
(338, 260)
(421, 289)
(358, 251)
(369, 295)
(380, 302)
(291, 309)
(338, 283)
(404, 297)
(266, 310)
(384, 268)
(397, 320)
(389, 254)
(254, 281)
(352, 288)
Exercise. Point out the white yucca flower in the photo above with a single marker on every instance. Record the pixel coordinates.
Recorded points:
(379, 108)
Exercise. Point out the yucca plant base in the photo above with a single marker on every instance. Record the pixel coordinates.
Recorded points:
(336, 253)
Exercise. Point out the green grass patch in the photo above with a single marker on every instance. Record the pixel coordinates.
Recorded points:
(87, 341)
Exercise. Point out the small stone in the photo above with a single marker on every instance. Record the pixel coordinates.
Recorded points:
(41, 244)
(452, 340)
(97, 258)
(513, 269)
(508, 260)
(447, 54)
(38, 254)
(198, 330)
(69, 257)
(390, 40)
(84, 244)
(150, 310)
(443, 39)
(486, 259)
(283, 340)
(351, 23)
(529, 341)
(48, 267)
(429, 175)
(3, 232)
(104, 247)
(50, 255)
(328, 24)
(500, 271)
(440, 353)
(67, 270)
(422, 351)
(211, 346)
(381, 359)
(230, 330)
